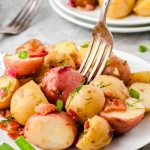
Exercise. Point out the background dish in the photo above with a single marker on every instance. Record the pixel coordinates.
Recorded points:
(93, 16)
(90, 25)
(132, 140)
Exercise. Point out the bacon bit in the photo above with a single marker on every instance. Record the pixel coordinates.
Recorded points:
(72, 3)
(110, 95)
(11, 73)
(44, 109)
(115, 105)
(65, 68)
(86, 126)
(41, 53)
(72, 114)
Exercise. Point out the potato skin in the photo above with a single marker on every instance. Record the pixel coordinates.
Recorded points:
(31, 46)
(124, 121)
(5, 98)
(98, 135)
(118, 68)
(54, 131)
(89, 101)
(113, 87)
(59, 82)
(24, 101)
(23, 67)
(144, 91)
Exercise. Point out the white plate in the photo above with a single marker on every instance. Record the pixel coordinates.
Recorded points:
(90, 25)
(133, 140)
(92, 16)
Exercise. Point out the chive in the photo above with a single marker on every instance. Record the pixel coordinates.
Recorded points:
(23, 54)
(134, 93)
(5, 146)
(143, 48)
(23, 144)
(59, 105)
(85, 45)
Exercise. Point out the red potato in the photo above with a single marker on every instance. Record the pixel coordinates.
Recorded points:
(31, 46)
(54, 130)
(59, 82)
(23, 67)
(124, 121)
(118, 68)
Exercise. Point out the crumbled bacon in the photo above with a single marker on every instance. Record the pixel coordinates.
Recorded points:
(65, 68)
(41, 53)
(115, 105)
(72, 114)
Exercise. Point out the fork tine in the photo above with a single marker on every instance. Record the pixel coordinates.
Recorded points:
(99, 59)
(104, 61)
(86, 56)
(26, 21)
(27, 13)
(22, 11)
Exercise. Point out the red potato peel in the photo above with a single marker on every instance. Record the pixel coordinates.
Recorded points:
(23, 67)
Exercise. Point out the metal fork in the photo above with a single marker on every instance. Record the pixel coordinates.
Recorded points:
(23, 18)
(100, 47)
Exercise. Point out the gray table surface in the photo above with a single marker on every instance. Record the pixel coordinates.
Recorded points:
(51, 28)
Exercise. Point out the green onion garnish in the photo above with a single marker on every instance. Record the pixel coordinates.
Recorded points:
(143, 48)
(23, 54)
(23, 144)
(85, 45)
(134, 93)
(59, 105)
(5, 146)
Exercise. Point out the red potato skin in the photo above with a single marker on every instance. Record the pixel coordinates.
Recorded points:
(122, 126)
(121, 65)
(23, 68)
(59, 82)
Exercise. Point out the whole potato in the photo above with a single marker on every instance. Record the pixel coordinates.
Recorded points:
(97, 134)
(68, 48)
(31, 46)
(119, 8)
(59, 82)
(118, 68)
(111, 86)
(53, 131)
(142, 7)
(8, 86)
(24, 101)
(86, 102)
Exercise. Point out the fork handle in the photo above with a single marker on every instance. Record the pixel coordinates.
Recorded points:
(104, 10)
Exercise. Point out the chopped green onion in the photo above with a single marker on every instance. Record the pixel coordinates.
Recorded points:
(59, 105)
(23, 54)
(134, 93)
(5, 146)
(143, 48)
(85, 45)
(23, 144)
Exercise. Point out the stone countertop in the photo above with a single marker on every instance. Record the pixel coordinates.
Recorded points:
(50, 28)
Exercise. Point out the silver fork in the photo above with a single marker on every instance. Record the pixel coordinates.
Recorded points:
(100, 47)
(23, 18)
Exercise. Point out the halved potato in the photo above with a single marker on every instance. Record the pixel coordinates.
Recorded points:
(119, 8)
(8, 86)
(97, 134)
(23, 67)
(111, 86)
(24, 101)
(123, 121)
(142, 8)
(144, 91)
(68, 48)
(143, 76)
(89, 101)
